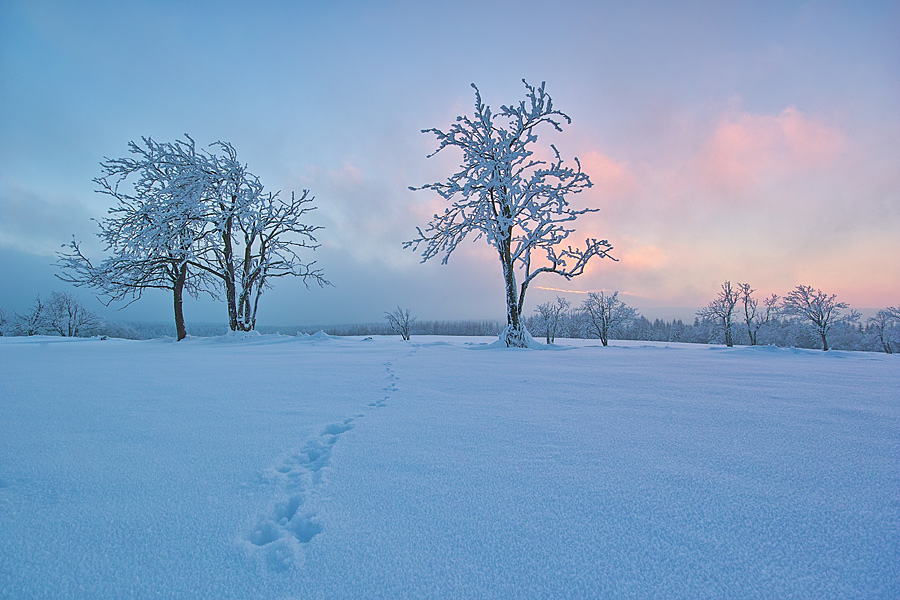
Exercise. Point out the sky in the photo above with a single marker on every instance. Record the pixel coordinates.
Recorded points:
(753, 142)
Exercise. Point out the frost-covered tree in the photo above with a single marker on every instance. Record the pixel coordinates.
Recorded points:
(273, 234)
(754, 315)
(515, 200)
(255, 235)
(721, 311)
(190, 220)
(33, 321)
(885, 325)
(820, 310)
(400, 321)
(605, 313)
(550, 315)
(152, 230)
(66, 316)
(4, 322)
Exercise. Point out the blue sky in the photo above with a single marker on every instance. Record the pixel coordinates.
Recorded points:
(753, 142)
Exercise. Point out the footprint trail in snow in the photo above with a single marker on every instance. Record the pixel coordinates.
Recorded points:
(388, 389)
(279, 535)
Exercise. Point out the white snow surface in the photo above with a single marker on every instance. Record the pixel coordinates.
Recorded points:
(317, 467)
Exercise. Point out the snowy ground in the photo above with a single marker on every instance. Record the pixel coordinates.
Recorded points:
(279, 467)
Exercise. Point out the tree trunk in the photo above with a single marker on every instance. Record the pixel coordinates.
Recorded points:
(231, 301)
(228, 250)
(256, 296)
(178, 293)
(824, 342)
(246, 318)
(515, 335)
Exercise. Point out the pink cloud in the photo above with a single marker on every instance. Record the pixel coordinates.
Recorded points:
(748, 150)
(618, 192)
(642, 257)
(612, 180)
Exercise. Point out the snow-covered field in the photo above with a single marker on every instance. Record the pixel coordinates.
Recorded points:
(280, 467)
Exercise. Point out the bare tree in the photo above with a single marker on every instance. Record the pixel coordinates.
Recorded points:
(884, 324)
(818, 308)
(4, 322)
(754, 316)
(33, 321)
(517, 202)
(605, 313)
(400, 321)
(550, 314)
(67, 317)
(721, 312)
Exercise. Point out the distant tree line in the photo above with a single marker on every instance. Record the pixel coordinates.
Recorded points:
(787, 333)
(416, 327)
(61, 314)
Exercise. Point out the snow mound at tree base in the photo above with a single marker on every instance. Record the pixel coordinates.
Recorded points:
(517, 338)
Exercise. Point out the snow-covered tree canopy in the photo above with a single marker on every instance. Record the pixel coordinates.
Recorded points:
(754, 316)
(721, 311)
(885, 325)
(605, 313)
(515, 200)
(819, 309)
(549, 315)
(189, 220)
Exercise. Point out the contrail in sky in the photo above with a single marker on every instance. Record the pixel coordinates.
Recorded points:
(553, 289)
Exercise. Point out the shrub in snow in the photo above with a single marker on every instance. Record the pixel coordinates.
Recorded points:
(400, 321)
